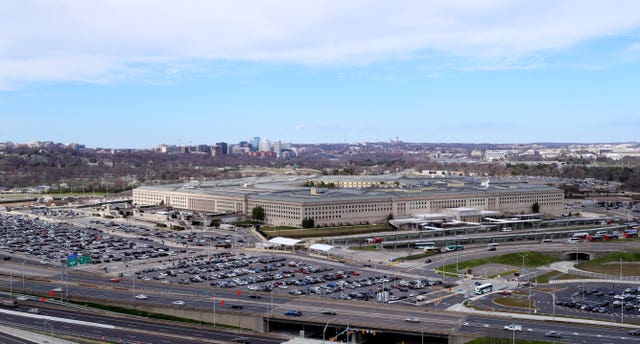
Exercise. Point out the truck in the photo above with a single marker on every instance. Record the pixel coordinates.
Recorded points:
(375, 240)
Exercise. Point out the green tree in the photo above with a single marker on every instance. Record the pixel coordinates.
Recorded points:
(308, 222)
(257, 213)
(535, 207)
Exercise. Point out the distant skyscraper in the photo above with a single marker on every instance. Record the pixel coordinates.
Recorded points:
(265, 145)
(223, 147)
(277, 148)
(255, 143)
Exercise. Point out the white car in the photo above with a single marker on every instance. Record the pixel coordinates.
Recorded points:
(141, 297)
(178, 303)
(513, 327)
(22, 298)
(58, 289)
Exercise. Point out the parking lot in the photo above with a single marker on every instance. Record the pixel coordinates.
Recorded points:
(602, 301)
(123, 250)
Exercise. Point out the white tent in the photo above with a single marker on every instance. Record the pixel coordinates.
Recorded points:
(321, 247)
(284, 242)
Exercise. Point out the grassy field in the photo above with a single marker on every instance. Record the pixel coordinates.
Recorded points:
(515, 302)
(611, 263)
(531, 259)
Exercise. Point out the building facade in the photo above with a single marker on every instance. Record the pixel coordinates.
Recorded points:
(287, 203)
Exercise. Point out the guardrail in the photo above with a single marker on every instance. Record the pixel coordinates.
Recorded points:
(607, 277)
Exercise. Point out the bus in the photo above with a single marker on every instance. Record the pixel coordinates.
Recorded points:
(423, 245)
(581, 236)
(452, 248)
(483, 288)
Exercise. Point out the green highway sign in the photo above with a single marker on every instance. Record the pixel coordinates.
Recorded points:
(71, 262)
(85, 260)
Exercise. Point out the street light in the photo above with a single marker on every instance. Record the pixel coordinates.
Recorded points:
(325, 329)
(24, 261)
(553, 298)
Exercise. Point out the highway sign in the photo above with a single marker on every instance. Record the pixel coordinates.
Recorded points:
(85, 260)
(71, 262)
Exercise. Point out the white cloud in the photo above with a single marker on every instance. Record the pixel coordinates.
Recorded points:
(102, 41)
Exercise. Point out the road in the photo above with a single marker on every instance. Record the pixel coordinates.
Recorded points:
(535, 330)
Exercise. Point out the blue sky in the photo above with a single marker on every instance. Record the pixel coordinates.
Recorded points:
(137, 74)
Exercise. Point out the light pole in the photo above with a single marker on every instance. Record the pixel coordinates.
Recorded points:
(24, 261)
(529, 302)
(620, 269)
(553, 298)
(325, 329)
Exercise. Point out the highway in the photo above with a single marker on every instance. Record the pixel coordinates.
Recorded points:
(125, 329)
(535, 330)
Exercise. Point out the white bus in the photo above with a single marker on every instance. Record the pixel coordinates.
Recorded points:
(483, 288)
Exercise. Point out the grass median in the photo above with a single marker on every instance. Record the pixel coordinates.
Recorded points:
(532, 259)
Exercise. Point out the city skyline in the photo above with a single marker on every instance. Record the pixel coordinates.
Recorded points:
(140, 74)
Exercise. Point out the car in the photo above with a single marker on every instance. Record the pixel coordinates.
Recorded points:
(34, 310)
(293, 313)
(58, 289)
(427, 261)
(634, 332)
(552, 334)
(513, 327)
(412, 320)
(22, 298)
(254, 296)
(236, 306)
(178, 303)
(328, 312)
(243, 340)
(114, 280)
(492, 248)
(505, 292)
(141, 297)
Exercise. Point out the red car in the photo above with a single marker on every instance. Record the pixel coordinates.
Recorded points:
(115, 280)
(355, 273)
(506, 292)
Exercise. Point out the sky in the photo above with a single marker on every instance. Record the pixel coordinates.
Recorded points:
(136, 74)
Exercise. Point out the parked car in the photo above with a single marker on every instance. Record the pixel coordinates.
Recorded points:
(243, 340)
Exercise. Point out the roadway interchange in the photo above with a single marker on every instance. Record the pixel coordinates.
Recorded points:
(386, 319)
